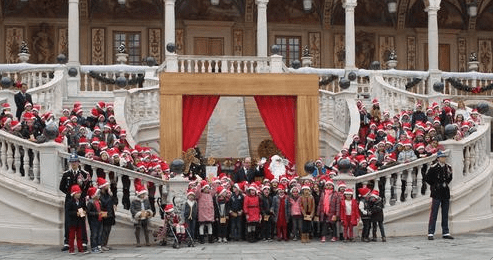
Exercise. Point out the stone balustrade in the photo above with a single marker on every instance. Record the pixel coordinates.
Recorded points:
(471, 79)
(34, 75)
(142, 106)
(50, 95)
(222, 64)
(108, 75)
(403, 80)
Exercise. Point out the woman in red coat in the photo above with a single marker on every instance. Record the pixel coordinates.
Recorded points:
(349, 214)
(251, 207)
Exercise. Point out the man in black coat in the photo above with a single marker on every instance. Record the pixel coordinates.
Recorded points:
(74, 175)
(246, 172)
(21, 99)
(439, 177)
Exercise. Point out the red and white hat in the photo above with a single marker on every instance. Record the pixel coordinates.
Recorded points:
(220, 191)
(348, 191)
(204, 184)
(75, 189)
(102, 182)
(5, 106)
(375, 193)
(140, 189)
(92, 191)
(363, 191)
(169, 208)
(191, 192)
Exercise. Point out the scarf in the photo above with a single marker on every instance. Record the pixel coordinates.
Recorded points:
(98, 209)
(327, 196)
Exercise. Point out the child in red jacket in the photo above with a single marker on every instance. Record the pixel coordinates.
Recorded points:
(349, 214)
(251, 207)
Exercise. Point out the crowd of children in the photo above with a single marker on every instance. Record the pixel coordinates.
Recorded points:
(221, 210)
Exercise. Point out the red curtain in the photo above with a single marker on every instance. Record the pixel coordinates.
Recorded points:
(279, 115)
(196, 113)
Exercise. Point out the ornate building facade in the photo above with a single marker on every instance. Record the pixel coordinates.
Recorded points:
(229, 27)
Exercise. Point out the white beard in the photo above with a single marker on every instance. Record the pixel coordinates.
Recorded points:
(277, 169)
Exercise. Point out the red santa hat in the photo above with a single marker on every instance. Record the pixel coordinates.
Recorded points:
(363, 191)
(375, 193)
(89, 151)
(329, 181)
(102, 182)
(28, 105)
(305, 187)
(341, 184)
(220, 191)
(140, 189)
(28, 116)
(420, 146)
(191, 192)
(92, 191)
(75, 189)
(281, 188)
(37, 107)
(204, 184)
(83, 140)
(474, 111)
(371, 137)
(446, 101)
(5, 106)
(15, 124)
(109, 105)
(348, 191)
(168, 208)
(100, 105)
(375, 101)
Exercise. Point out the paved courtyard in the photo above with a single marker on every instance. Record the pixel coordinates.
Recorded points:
(477, 245)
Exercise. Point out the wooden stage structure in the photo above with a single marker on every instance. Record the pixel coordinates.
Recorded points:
(305, 87)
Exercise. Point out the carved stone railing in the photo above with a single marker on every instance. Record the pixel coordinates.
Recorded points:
(110, 73)
(222, 64)
(389, 182)
(470, 156)
(471, 79)
(395, 99)
(339, 116)
(34, 75)
(137, 108)
(403, 80)
(50, 96)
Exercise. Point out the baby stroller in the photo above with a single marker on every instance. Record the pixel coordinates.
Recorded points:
(168, 229)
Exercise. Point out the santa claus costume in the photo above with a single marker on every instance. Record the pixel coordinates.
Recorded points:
(276, 168)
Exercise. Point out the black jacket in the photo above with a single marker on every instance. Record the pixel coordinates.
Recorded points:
(71, 177)
(72, 208)
(439, 177)
(20, 102)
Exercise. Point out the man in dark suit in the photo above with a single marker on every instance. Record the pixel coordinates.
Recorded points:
(21, 99)
(439, 177)
(246, 172)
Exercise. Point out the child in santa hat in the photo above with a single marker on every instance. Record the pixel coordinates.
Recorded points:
(205, 202)
(236, 211)
(221, 209)
(251, 207)
(349, 214)
(140, 208)
(307, 205)
(190, 213)
(95, 218)
(176, 223)
(294, 211)
(364, 209)
(76, 218)
(279, 205)
(376, 209)
(329, 210)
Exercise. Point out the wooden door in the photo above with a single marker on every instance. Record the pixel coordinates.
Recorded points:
(443, 57)
(208, 46)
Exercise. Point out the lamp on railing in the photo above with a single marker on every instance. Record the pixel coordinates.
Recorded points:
(307, 5)
(472, 8)
(214, 2)
(170, 47)
(6, 82)
(61, 58)
(392, 5)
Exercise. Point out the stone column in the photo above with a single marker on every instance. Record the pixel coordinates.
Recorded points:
(73, 32)
(349, 6)
(169, 23)
(262, 27)
(435, 74)
(73, 83)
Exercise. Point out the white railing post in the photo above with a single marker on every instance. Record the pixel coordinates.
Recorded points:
(50, 165)
(275, 63)
(172, 62)
(456, 160)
